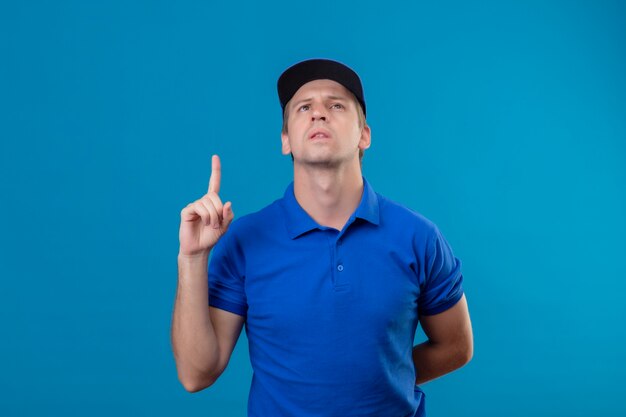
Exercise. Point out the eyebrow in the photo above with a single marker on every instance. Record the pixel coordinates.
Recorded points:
(326, 98)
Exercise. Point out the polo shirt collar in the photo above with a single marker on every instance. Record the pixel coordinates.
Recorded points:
(298, 221)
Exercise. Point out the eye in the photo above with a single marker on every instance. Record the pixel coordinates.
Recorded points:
(304, 107)
(337, 106)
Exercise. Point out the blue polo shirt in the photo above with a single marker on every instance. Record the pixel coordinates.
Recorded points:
(331, 315)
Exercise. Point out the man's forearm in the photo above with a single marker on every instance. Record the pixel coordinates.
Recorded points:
(433, 360)
(193, 337)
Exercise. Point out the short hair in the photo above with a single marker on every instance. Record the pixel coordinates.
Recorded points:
(359, 112)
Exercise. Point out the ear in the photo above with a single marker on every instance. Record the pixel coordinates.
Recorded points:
(366, 137)
(286, 148)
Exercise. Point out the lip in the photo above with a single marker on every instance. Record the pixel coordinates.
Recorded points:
(324, 134)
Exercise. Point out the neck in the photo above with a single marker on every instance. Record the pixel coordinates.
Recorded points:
(329, 194)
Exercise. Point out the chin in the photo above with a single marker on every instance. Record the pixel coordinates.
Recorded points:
(326, 161)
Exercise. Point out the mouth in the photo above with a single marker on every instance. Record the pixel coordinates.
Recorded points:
(319, 134)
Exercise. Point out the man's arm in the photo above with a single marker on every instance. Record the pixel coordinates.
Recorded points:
(449, 346)
(203, 337)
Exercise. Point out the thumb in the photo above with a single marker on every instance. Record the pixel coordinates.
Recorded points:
(227, 213)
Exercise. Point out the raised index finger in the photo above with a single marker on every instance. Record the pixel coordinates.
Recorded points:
(216, 174)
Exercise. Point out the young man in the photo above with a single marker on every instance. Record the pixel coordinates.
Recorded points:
(330, 281)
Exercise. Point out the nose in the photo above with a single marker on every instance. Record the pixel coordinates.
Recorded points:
(318, 113)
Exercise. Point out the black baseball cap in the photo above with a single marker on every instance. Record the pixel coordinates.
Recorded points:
(301, 73)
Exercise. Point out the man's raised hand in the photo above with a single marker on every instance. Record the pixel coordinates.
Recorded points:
(204, 222)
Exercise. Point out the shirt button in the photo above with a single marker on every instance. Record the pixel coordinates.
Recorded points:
(339, 268)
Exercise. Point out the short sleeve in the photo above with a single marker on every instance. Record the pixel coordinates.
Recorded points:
(442, 287)
(226, 277)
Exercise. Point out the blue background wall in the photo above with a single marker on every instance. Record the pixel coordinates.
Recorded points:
(503, 122)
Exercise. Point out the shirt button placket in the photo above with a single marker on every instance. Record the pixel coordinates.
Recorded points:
(340, 277)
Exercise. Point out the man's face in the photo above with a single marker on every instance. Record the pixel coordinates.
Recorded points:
(323, 126)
